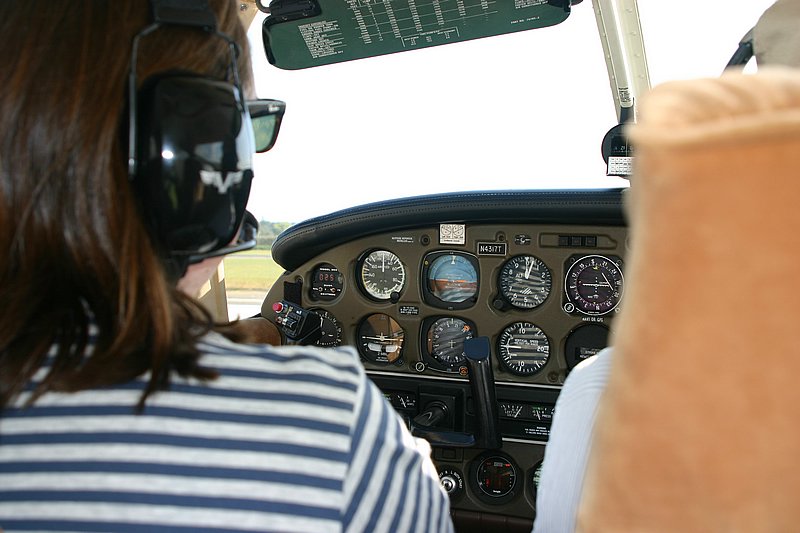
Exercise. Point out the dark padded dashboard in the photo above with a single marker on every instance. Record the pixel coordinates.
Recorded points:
(307, 239)
(540, 274)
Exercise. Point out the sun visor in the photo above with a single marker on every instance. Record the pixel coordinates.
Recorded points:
(307, 33)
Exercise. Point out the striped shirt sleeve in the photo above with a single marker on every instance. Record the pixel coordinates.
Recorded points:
(391, 484)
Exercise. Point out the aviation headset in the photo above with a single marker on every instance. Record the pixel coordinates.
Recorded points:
(190, 149)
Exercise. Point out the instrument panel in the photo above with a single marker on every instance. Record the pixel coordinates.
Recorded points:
(540, 274)
(545, 295)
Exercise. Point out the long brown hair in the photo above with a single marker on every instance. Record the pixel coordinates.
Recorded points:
(73, 249)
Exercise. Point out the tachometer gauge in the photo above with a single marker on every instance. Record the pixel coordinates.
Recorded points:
(445, 341)
(525, 281)
(451, 279)
(496, 477)
(593, 285)
(523, 348)
(331, 329)
(380, 339)
(382, 274)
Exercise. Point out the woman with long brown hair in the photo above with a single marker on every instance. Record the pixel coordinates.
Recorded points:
(122, 408)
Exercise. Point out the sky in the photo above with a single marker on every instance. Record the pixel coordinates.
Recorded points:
(520, 111)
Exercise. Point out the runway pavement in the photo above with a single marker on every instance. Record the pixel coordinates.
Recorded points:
(244, 304)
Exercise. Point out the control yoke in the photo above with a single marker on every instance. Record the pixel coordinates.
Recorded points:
(481, 380)
(304, 327)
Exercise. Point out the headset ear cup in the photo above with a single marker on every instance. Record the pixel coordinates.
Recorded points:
(250, 226)
(194, 147)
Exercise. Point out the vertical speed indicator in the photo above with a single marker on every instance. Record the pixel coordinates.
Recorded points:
(523, 348)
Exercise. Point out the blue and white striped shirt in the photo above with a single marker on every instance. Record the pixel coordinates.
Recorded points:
(286, 439)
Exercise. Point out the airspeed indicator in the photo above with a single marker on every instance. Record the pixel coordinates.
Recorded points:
(381, 274)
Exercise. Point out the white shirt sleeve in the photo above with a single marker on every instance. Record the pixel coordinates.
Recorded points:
(568, 448)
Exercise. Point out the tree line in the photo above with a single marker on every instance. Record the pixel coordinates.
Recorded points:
(267, 232)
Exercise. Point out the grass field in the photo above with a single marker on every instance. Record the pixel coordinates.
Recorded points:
(251, 270)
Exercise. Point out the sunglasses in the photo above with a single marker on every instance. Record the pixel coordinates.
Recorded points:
(266, 116)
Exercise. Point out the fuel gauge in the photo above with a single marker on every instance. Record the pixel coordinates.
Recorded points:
(511, 410)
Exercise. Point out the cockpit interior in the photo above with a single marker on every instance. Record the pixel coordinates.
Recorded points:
(465, 208)
(468, 308)
(538, 275)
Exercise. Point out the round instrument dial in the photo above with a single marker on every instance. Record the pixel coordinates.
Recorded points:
(593, 285)
(380, 339)
(496, 476)
(446, 338)
(585, 342)
(382, 274)
(523, 348)
(452, 277)
(330, 328)
(525, 281)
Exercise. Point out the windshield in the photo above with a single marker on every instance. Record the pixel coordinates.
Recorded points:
(518, 111)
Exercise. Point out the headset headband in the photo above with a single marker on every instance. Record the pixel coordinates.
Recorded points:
(187, 13)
